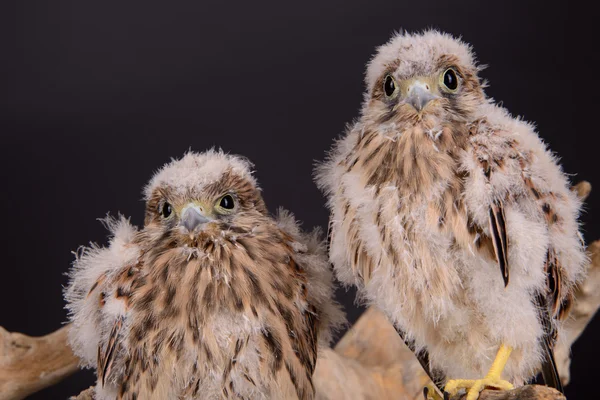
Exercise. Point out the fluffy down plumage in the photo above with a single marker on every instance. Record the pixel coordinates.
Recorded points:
(455, 220)
(235, 309)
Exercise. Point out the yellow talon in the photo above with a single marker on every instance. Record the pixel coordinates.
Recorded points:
(491, 380)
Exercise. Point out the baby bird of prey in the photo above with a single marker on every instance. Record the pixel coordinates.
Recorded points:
(212, 299)
(453, 218)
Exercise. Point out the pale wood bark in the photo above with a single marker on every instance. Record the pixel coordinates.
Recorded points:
(530, 392)
(29, 364)
(87, 394)
(370, 361)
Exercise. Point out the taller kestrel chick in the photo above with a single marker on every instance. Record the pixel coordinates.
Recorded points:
(453, 218)
(212, 299)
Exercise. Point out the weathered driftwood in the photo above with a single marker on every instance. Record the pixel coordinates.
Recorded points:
(87, 394)
(370, 362)
(29, 364)
(530, 392)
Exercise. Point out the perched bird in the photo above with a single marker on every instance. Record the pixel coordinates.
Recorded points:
(212, 299)
(453, 218)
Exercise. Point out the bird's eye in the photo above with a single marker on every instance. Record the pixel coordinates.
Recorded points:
(227, 202)
(389, 86)
(167, 210)
(450, 80)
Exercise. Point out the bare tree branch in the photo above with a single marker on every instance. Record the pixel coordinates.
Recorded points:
(29, 364)
(529, 392)
(587, 302)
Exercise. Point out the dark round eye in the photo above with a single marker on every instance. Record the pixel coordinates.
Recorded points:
(226, 202)
(450, 79)
(166, 210)
(389, 86)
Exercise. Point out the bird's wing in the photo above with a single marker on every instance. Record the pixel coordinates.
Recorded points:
(315, 315)
(507, 167)
(106, 355)
(115, 297)
(98, 297)
(312, 254)
(492, 171)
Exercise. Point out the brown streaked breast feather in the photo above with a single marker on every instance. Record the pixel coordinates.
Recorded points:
(499, 238)
(98, 282)
(329, 234)
(106, 358)
(554, 281)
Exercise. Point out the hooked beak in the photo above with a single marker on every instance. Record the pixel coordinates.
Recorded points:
(192, 217)
(419, 95)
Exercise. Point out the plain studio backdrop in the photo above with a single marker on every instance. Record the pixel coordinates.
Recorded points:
(95, 97)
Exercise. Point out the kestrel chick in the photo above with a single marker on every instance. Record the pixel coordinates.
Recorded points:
(212, 299)
(453, 218)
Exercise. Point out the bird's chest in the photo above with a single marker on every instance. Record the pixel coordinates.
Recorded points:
(193, 310)
(199, 330)
(411, 182)
(408, 204)
(411, 160)
(208, 356)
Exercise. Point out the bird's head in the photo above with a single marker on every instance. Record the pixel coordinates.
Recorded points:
(200, 198)
(416, 77)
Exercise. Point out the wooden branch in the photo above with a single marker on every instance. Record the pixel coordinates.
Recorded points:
(587, 302)
(583, 189)
(87, 394)
(370, 362)
(29, 364)
(529, 392)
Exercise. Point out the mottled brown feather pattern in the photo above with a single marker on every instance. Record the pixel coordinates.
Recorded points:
(559, 302)
(559, 297)
(253, 274)
(427, 198)
(225, 312)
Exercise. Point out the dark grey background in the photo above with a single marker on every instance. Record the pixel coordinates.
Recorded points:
(95, 97)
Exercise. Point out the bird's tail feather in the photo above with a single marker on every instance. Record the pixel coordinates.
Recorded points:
(549, 370)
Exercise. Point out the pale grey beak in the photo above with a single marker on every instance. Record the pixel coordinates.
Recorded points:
(419, 95)
(192, 218)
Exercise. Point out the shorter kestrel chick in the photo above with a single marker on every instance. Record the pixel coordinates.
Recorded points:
(213, 298)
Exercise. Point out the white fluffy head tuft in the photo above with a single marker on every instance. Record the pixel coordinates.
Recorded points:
(196, 170)
(407, 54)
